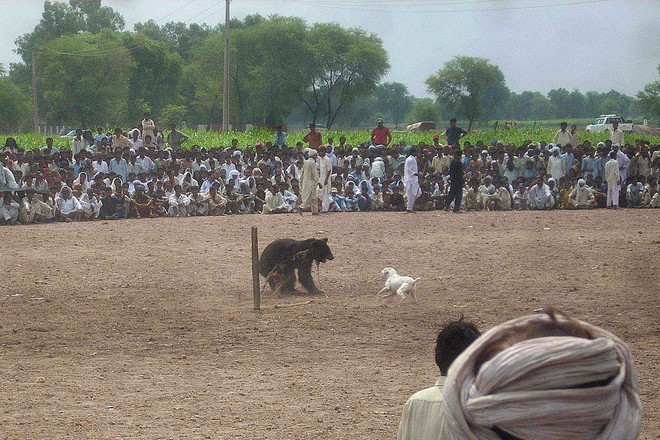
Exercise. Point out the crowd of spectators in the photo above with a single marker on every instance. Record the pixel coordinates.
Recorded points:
(143, 173)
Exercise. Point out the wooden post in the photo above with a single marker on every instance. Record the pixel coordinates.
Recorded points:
(225, 77)
(35, 102)
(255, 269)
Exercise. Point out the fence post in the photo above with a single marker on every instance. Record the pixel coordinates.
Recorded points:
(255, 269)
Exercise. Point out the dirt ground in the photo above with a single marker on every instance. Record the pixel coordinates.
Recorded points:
(145, 328)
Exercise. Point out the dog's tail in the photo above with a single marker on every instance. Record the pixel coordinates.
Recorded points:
(415, 280)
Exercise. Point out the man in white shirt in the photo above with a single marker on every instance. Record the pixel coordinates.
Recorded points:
(563, 137)
(616, 136)
(68, 206)
(78, 143)
(540, 196)
(421, 414)
(613, 178)
(325, 171)
(100, 165)
(411, 179)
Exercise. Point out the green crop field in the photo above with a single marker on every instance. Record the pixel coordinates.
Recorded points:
(210, 139)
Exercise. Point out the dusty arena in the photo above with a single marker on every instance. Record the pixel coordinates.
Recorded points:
(145, 328)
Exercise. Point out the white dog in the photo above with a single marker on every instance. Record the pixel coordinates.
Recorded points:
(398, 285)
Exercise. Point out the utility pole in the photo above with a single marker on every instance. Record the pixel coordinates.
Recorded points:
(35, 103)
(225, 81)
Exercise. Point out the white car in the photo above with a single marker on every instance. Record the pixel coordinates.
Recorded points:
(604, 123)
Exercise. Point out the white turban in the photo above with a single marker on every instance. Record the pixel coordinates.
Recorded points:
(534, 389)
(312, 153)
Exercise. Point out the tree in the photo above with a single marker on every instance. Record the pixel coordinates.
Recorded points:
(154, 81)
(85, 89)
(649, 98)
(173, 114)
(16, 106)
(59, 19)
(470, 86)
(344, 65)
(424, 109)
(393, 102)
(180, 38)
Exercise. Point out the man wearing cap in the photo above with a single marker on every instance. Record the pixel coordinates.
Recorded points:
(381, 135)
(613, 178)
(309, 183)
(313, 138)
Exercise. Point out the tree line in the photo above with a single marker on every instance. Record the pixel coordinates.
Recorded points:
(91, 70)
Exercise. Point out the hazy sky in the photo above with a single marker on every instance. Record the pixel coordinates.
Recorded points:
(539, 44)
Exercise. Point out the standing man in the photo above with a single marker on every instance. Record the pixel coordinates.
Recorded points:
(624, 162)
(421, 414)
(575, 137)
(175, 138)
(381, 135)
(562, 137)
(313, 138)
(613, 181)
(457, 182)
(98, 138)
(325, 173)
(617, 135)
(148, 126)
(454, 133)
(411, 179)
(309, 178)
(280, 137)
(78, 143)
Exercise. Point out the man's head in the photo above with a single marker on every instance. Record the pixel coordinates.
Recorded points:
(563, 126)
(379, 122)
(615, 125)
(452, 340)
(452, 122)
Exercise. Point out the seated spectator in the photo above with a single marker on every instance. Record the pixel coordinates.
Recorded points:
(9, 209)
(581, 197)
(396, 201)
(112, 208)
(421, 412)
(634, 193)
(539, 196)
(542, 377)
(275, 203)
(68, 206)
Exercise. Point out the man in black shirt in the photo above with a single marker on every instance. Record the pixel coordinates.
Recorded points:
(456, 176)
(454, 133)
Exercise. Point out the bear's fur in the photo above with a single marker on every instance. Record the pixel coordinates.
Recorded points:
(289, 253)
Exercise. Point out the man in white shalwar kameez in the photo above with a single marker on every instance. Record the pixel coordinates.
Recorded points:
(581, 197)
(309, 180)
(613, 179)
(325, 173)
(33, 209)
(410, 179)
(178, 203)
(540, 196)
(275, 203)
(8, 209)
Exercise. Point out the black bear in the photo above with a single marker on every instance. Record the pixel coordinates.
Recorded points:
(285, 251)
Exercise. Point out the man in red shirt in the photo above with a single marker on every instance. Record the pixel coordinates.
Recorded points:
(381, 135)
